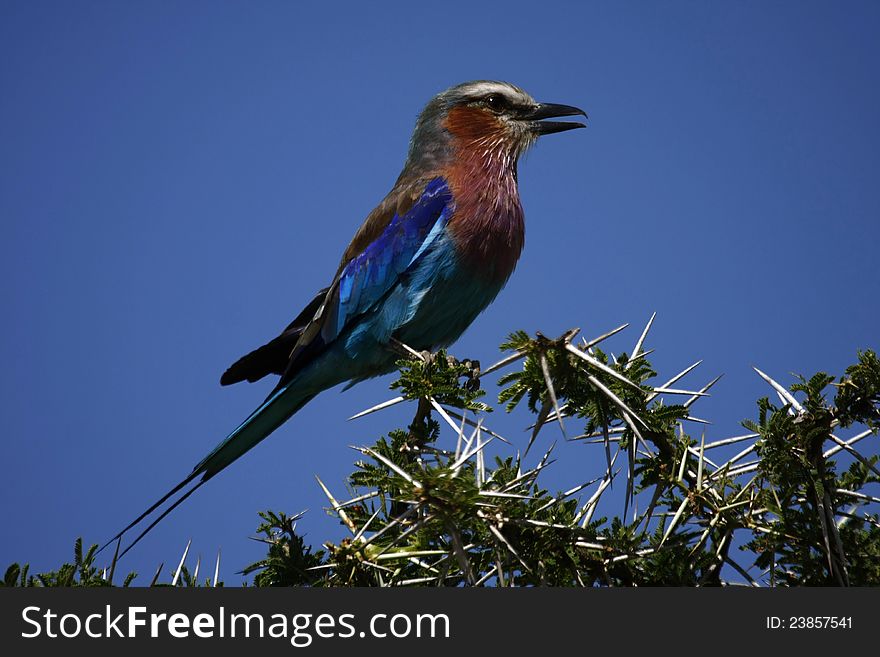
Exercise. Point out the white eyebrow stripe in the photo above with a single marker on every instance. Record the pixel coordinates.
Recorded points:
(488, 87)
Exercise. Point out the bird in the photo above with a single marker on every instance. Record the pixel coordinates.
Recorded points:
(430, 257)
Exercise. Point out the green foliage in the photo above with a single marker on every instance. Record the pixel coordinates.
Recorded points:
(82, 572)
(427, 509)
(858, 394)
(422, 515)
(806, 537)
(289, 559)
(438, 376)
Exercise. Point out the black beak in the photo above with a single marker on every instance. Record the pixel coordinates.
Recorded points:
(541, 111)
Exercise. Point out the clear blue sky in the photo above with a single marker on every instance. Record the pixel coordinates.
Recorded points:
(177, 179)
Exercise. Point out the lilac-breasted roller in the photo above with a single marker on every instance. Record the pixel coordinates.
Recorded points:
(427, 260)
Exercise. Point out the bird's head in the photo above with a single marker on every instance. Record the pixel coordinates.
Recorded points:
(495, 121)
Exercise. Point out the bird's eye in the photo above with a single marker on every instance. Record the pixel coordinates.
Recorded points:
(495, 102)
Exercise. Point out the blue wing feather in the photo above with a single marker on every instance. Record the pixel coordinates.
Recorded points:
(370, 275)
(364, 282)
(377, 293)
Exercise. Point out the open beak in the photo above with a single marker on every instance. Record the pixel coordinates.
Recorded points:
(541, 111)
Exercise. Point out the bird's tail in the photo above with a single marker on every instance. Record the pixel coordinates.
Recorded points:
(271, 414)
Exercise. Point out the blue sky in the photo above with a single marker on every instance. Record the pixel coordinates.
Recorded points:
(177, 180)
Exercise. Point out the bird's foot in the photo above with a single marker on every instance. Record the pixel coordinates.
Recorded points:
(429, 357)
(472, 372)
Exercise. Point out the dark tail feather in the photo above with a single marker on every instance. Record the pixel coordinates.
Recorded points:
(274, 356)
(271, 358)
(171, 508)
(155, 506)
(279, 406)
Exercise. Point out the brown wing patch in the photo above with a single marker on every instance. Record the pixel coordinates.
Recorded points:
(398, 201)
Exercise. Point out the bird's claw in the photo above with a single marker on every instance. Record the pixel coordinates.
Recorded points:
(472, 373)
